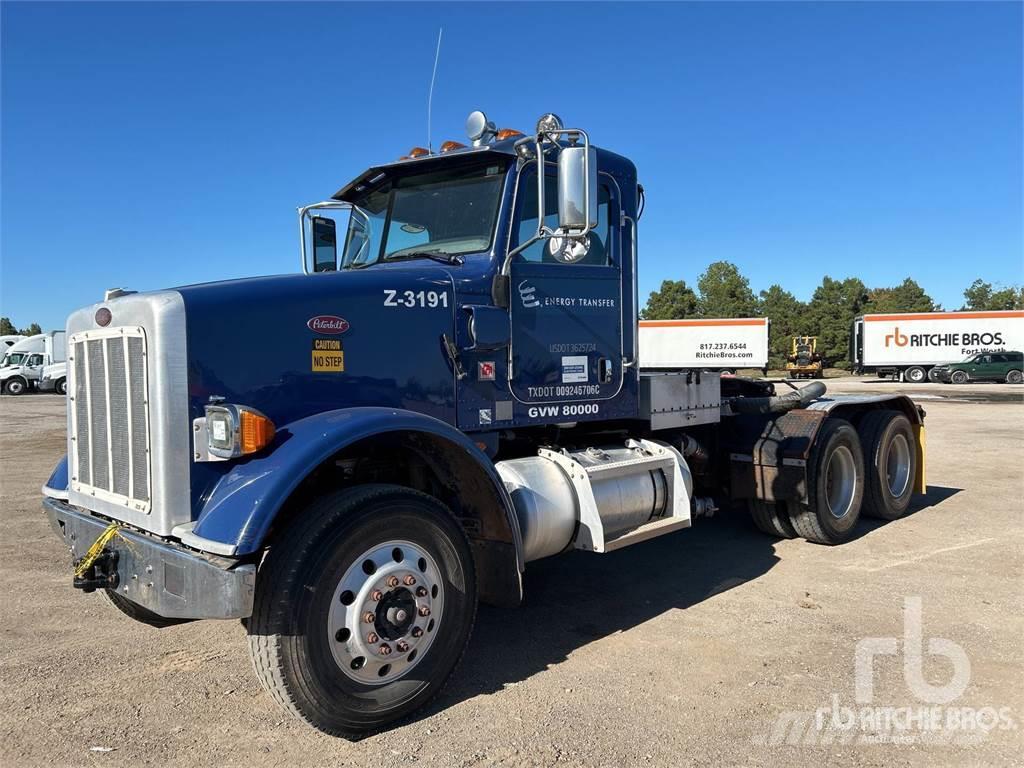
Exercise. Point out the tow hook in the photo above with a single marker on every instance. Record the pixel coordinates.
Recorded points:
(102, 574)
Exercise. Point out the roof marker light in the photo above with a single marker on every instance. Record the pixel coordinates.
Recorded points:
(418, 152)
(448, 146)
(508, 133)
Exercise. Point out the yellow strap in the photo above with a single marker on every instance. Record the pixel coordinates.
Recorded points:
(94, 551)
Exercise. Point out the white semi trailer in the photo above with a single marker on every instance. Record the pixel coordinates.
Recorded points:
(724, 344)
(909, 345)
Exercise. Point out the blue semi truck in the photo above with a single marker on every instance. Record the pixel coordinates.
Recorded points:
(454, 394)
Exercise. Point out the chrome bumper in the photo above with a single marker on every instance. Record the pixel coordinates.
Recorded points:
(159, 575)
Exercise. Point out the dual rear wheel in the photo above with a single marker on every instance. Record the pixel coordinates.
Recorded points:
(869, 469)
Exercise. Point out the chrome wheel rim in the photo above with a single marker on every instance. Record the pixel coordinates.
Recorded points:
(897, 466)
(840, 482)
(916, 375)
(385, 612)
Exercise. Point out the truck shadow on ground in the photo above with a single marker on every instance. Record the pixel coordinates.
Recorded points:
(580, 597)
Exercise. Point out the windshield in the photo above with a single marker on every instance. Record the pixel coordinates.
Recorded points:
(445, 213)
(13, 358)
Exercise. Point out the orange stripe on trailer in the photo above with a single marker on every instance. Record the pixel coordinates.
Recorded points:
(681, 323)
(945, 316)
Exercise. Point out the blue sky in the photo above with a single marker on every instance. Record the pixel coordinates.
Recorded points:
(148, 145)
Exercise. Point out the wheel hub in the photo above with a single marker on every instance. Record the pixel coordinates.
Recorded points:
(385, 612)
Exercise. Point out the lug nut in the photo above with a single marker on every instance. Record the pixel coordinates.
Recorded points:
(392, 581)
(402, 646)
(409, 580)
(384, 649)
(417, 631)
(372, 638)
(424, 611)
(376, 595)
(421, 591)
(369, 617)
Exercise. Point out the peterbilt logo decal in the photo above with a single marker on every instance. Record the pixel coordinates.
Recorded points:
(327, 324)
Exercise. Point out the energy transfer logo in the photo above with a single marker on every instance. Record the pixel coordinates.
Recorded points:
(864, 722)
(526, 293)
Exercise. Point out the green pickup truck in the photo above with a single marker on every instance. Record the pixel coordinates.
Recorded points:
(990, 366)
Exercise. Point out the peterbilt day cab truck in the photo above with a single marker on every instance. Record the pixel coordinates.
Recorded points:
(915, 346)
(455, 394)
(702, 343)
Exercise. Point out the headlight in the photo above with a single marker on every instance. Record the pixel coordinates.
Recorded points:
(235, 430)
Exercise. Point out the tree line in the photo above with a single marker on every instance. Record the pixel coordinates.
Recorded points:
(7, 328)
(722, 291)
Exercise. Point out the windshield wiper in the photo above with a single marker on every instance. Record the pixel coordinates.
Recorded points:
(441, 256)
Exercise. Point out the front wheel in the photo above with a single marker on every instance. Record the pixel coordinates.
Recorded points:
(915, 374)
(61, 387)
(1014, 377)
(16, 386)
(363, 608)
(959, 377)
(835, 486)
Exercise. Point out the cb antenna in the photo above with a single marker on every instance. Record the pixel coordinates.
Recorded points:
(430, 97)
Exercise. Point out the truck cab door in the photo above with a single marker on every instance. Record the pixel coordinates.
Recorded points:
(567, 325)
(33, 369)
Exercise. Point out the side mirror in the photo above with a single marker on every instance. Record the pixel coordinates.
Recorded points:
(577, 189)
(325, 245)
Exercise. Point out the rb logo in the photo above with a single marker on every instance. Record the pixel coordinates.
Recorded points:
(900, 339)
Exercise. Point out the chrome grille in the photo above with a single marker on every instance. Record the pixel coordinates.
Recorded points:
(110, 416)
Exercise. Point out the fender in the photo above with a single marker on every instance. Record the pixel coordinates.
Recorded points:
(236, 515)
(57, 486)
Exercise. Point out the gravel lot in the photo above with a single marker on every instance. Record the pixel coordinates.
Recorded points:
(685, 650)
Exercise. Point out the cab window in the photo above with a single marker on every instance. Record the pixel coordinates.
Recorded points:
(526, 222)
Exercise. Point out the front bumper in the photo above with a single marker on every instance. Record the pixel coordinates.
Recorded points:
(937, 375)
(161, 576)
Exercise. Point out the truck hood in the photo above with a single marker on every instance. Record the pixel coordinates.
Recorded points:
(294, 345)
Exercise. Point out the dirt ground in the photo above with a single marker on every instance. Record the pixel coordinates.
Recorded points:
(710, 645)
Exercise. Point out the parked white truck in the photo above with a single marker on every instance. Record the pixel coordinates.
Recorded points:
(6, 342)
(723, 344)
(909, 345)
(24, 361)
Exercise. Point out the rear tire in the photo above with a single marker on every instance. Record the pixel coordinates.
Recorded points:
(959, 377)
(890, 463)
(835, 483)
(1014, 377)
(915, 375)
(771, 518)
(310, 647)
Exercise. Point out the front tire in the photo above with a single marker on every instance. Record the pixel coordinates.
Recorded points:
(890, 463)
(1014, 377)
(835, 483)
(959, 377)
(915, 375)
(61, 387)
(379, 552)
(16, 386)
